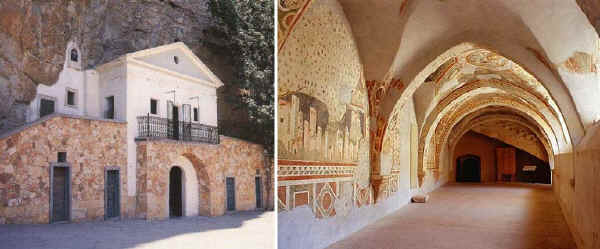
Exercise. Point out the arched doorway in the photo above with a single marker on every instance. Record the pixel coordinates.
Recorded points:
(468, 169)
(193, 184)
(175, 192)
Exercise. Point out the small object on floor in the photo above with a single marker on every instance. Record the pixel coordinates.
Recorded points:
(420, 198)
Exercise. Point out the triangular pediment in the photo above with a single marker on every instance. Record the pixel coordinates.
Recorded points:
(176, 58)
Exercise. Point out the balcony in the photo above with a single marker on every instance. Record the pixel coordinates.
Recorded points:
(156, 127)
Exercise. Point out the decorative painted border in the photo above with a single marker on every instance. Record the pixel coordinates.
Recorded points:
(300, 193)
(312, 163)
(296, 170)
(296, 15)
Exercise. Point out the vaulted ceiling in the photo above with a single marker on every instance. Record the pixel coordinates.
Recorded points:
(524, 72)
(410, 44)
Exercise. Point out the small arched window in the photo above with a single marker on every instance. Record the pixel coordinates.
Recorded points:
(74, 55)
(176, 60)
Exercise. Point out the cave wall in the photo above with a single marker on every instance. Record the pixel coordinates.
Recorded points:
(591, 8)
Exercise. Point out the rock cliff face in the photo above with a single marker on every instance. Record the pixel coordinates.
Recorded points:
(34, 35)
(592, 9)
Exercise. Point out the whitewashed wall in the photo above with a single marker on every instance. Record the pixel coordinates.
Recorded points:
(70, 77)
(92, 94)
(144, 84)
(113, 83)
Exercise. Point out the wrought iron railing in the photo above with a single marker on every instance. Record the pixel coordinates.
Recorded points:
(156, 127)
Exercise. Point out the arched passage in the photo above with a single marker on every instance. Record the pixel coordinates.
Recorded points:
(199, 180)
(469, 79)
(192, 196)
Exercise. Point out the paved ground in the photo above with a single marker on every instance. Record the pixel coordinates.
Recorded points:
(471, 216)
(242, 230)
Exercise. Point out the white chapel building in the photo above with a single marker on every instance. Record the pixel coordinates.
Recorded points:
(136, 137)
(144, 89)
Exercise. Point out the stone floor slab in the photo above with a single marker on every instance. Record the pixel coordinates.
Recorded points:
(471, 216)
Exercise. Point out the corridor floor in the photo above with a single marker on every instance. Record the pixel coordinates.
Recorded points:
(471, 216)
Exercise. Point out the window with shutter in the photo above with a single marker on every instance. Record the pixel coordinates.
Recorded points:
(153, 106)
(71, 97)
(109, 112)
(46, 107)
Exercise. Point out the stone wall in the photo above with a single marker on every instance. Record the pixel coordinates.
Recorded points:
(26, 155)
(575, 183)
(212, 164)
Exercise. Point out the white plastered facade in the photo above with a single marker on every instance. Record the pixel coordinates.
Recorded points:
(166, 73)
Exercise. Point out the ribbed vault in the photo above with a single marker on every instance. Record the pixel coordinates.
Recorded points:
(505, 125)
(471, 87)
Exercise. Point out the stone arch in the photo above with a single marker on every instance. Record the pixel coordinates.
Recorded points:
(507, 82)
(197, 185)
(489, 115)
(448, 119)
(434, 142)
(452, 102)
(537, 89)
(189, 179)
(523, 98)
(477, 118)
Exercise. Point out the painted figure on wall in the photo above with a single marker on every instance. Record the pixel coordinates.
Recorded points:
(306, 132)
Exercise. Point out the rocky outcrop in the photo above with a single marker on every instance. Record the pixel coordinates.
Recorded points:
(34, 35)
(591, 8)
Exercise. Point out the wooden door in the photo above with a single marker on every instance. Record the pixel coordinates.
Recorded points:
(112, 208)
(230, 182)
(60, 194)
(257, 189)
(506, 163)
(175, 193)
